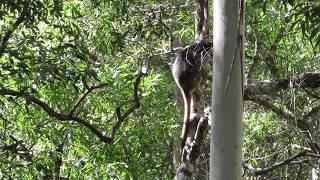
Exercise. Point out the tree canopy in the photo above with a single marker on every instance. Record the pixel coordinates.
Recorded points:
(76, 100)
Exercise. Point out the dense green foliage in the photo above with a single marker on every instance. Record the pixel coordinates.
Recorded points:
(55, 50)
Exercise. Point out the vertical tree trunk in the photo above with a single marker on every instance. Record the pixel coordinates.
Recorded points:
(201, 20)
(198, 122)
(226, 140)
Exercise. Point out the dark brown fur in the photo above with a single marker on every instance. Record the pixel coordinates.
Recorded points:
(187, 73)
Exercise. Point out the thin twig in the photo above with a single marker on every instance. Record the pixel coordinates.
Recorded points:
(84, 95)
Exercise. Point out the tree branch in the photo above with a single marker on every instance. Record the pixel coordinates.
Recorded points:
(84, 95)
(299, 122)
(70, 117)
(201, 20)
(280, 112)
(5, 91)
(19, 148)
(136, 105)
(260, 171)
(304, 80)
(192, 150)
(12, 28)
(53, 113)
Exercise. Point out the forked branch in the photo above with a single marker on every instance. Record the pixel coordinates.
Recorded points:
(71, 117)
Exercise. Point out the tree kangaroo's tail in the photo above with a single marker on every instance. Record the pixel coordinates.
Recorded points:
(187, 109)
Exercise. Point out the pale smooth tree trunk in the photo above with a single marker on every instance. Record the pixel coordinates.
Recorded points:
(227, 105)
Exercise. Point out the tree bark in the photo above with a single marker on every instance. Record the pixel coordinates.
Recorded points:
(227, 105)
(201, 20)
(198, 121)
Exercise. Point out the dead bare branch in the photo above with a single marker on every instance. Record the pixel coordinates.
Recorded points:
(192, 150)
